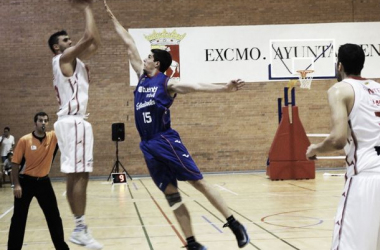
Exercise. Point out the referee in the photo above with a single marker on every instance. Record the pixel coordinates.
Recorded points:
(31, 165)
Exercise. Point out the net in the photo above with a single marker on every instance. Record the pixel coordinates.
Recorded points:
(305, 78)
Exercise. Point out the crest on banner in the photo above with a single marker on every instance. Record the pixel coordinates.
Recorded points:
(168, 41)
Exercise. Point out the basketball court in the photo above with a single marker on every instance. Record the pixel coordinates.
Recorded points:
(281, 215)
(289, 214)
(277, 60)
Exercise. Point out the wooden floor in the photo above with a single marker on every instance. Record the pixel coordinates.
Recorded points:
(279, 215)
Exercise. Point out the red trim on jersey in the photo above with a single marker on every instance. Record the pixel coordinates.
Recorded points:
(72, 89)
(343, 211)
(57, 95)
(355, 141)
(76, 143)
(76, 97)
(88, 72)
(183, 165)
(354, 98)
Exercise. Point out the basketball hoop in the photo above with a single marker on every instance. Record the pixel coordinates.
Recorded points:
(305, 79)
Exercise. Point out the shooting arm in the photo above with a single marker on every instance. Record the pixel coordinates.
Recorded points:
(90, 37)
(93, 31)
(133, 54)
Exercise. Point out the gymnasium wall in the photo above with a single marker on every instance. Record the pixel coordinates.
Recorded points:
(223, 132)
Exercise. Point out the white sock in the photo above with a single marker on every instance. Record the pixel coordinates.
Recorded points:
(79, 223)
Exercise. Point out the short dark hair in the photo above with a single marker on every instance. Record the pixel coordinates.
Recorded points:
(163, 57)
(352, 57)
(40, 114)
(7, 128)
(10, 153)
(54, 39)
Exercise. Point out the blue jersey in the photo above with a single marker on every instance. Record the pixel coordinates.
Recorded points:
(152, 102)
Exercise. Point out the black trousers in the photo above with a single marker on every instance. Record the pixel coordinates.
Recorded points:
(44, 193)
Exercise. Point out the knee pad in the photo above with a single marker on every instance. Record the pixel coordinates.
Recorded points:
(174, 200)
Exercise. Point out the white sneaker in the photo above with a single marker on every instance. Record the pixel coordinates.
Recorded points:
(84, 238)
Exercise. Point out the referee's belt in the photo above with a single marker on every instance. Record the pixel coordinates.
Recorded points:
(28, 177)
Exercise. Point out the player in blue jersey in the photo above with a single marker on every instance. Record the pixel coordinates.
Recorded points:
(166, 157)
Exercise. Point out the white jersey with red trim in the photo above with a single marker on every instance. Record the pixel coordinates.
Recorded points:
(363, 147)
(72, 92)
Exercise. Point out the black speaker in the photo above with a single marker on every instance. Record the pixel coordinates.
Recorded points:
(118, 132)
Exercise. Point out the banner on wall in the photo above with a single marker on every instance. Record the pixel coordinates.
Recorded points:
(258, 53)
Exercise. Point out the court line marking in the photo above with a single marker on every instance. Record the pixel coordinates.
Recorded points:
(317, 135)
(302, 187)
(214, 214)
(329, 174)
(166, 217)
(6, 212)
(320, 221)
(266, 230)
(225, 189)
(212, 224)
(141, 220)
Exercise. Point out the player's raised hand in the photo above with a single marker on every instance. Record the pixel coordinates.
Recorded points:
(235, 85)
(109, 12)
(118, 26)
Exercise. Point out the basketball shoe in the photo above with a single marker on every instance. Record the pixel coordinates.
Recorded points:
(84, 238)
(240, 233)
(195, 246)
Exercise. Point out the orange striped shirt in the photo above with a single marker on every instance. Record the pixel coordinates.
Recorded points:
(38, 155)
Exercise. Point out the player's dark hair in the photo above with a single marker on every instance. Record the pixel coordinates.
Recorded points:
(40, 114)
(352, 58)
(163, 57)
(7, 128)
(54, 39)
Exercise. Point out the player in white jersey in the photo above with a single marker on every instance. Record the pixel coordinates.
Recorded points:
(75, 138)
(7, 142)
(355, 116)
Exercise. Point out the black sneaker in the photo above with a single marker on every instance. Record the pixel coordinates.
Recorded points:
(240, 233)
(195, 246)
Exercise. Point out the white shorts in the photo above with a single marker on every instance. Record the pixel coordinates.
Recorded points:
(357, 222)
(75, 141)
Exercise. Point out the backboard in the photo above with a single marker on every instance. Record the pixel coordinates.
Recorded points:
(289, 56)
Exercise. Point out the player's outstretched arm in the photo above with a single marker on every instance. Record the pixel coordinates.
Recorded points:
(90, 41)
(340, 97)
(133, 54)
(184, 88)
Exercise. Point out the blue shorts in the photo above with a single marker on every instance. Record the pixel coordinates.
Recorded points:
(168, 160)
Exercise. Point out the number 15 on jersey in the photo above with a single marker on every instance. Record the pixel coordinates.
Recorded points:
(147, 117)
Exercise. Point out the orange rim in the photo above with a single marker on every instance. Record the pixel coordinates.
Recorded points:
(304, 73)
